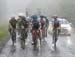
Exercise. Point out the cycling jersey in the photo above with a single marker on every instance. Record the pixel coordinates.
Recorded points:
(13, 23)
(35, 25)
(56, 24)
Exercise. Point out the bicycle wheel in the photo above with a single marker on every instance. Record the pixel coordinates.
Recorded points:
(35, 43)
(22, 44)
(13, 37)
(23, 38)
(55, 39)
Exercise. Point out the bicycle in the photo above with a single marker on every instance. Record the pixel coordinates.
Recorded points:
(23, 38)
(55, 37)
(13, 36)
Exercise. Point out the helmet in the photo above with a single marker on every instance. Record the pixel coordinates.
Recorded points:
(41, 16)
(55, 16)
(12, 17)
(21, 14)
(34, 17)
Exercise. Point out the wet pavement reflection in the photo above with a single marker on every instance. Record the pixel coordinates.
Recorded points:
(65, 48)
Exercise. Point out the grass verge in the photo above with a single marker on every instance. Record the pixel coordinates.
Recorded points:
(3, 33)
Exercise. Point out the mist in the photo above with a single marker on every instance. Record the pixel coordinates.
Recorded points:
(62, 8)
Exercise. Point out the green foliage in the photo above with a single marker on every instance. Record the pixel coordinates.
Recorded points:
(3, 32)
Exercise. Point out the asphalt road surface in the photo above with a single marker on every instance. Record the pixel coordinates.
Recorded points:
(65, 48)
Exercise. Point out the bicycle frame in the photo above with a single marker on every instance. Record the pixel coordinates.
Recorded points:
(55, 36)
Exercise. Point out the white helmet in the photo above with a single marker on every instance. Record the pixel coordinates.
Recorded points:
(21, 14)
(55, 16)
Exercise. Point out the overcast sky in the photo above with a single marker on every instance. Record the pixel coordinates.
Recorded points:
(48, 7)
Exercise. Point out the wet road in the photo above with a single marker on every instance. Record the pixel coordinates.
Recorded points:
(65, 48)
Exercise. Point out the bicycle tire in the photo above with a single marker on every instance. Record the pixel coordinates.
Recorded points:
(55, 38)
(23, 38)
(13, 37)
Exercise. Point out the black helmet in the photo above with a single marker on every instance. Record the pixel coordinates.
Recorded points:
(34, 17)
(42, 16)
(12, 17)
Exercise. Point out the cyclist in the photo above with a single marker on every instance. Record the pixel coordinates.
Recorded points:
(24, 30)
(56, 26)
(12, 28)
(35, 29)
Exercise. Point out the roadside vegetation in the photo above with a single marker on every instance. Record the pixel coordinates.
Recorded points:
(3, 33)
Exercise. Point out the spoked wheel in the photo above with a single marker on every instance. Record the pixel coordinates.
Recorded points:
(13, 38)
(13, 42)
(23, 44)
(35, 44)
(23, 39)
(55, 38)
(55, 44)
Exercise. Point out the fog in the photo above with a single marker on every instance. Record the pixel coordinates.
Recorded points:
(17, 6)
(62, 8)
(3, 11)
